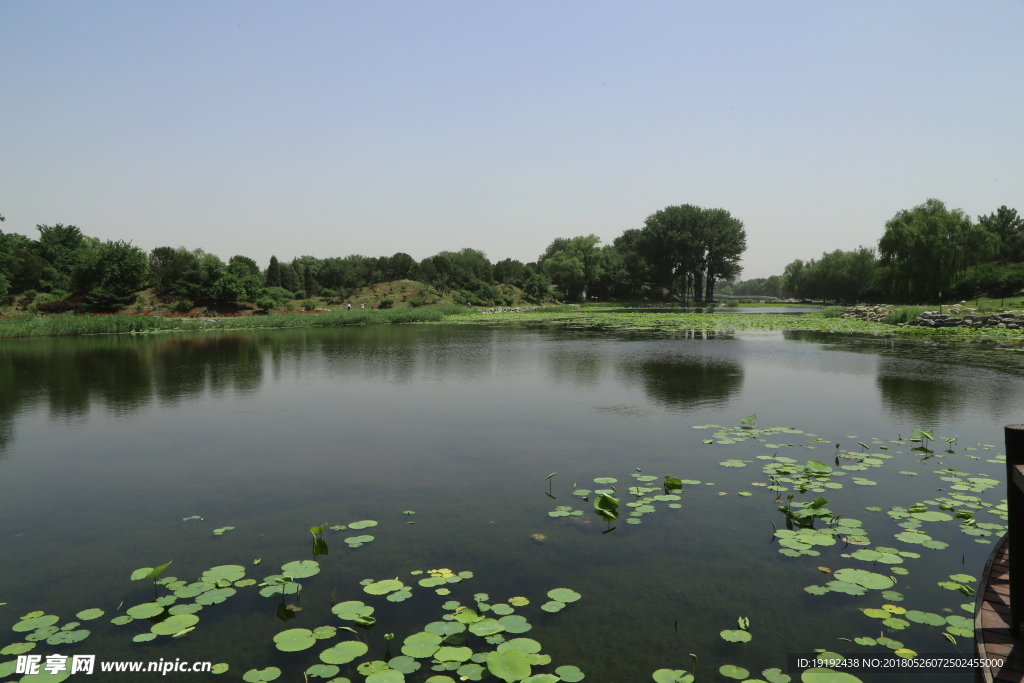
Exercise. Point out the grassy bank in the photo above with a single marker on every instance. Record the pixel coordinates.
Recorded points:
(71, 325)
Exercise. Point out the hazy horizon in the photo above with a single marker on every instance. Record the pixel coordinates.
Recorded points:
(339, 128)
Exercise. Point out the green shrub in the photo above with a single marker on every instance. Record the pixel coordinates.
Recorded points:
(278, 294)
(832, 311)
(416, 302)
(308, 305)
(732, 303)
(385, 302)
(903, 315)
(184, 306)
(265, 303)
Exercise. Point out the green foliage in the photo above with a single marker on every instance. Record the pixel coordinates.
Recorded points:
(416, 301)
(308, 305)
(838, 276)
(833, 311)
(184, 305)
(929, 248)
(385, 302)
(265, 303)
(574, 263)
(903, 315)
(111, 273)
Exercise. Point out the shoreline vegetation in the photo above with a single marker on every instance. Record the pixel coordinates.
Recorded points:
(600, 317)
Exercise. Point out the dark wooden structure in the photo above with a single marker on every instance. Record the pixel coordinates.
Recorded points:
(998, 621)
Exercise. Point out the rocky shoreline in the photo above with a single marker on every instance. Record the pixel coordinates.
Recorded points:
(934, 319)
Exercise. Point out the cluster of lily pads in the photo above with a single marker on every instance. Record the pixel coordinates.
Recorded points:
(810, 525)
(468, 641)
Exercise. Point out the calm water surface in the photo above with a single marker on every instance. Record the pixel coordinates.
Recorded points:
(106, 443)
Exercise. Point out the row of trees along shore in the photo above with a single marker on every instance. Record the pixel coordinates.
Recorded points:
(681, 251)
(927, 254)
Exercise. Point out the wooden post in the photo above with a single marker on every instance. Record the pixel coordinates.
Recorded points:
(1015, 509)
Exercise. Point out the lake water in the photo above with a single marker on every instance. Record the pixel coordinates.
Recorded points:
(106, 443)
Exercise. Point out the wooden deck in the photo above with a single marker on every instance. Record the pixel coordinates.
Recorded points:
(992, 637)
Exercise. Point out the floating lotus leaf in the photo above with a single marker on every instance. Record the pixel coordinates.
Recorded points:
(896, 623)
(194, 589)
(351, 610)
(453, 654)
(301, 569)
(215, 597)
(518, 601)
(569, 674)
(606, 480)
(121, 620)
(324, 632)
(515, 623)
(846, 587)
(174, 624)
(467, 616)
(735, 636)
(146, 610)
(66, 637)
(185, 608)
(271, 673)
(774, 675)
(344, 652)
(406, 665)
(822, 675)
(41, 633)
(225, 572)
(672, 676)
(963, 578)
(422, 644)
(87, 614)
(39, 622)
(144, 637)
(363, 524)
(733, 671)
(509, 666)
(386, 676)
(441, 679)
(564, 595)
(322, 670)
(219, 668)
(220, 531)
(356, 541)
(367, 668)
(864, 578)
(486, 627)
(445, 628)
(816, 590)
(16, 649)
(527, 646)
(553, 606)
(384, 587)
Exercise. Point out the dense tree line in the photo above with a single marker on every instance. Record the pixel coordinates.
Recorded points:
(928, 253)
(680, 251)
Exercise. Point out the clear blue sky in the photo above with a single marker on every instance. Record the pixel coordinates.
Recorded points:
(331, 128)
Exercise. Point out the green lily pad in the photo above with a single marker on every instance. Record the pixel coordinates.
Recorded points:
(453, 654)
(569, 674)
(87, 614)
(144, 637)
(322, 670)
(735, 636)
(294, 639)
(352, 610)
(301, 569)
(509, 666)
(733, 671)
(774, 675)
(146, 610)
(175, 624)
(215, 597)
(422, 644)
(564, 595)
(17, 648)
(486, 627)
(515, 623)
(864, 578)
(553, 606)
(384, 587)
(194, 589)
(406, 665)
(226, 572)
(386, 676)
(220, 668)
(363, 524)
(344, 652)
(271, 673)
(672, 676)
(39, 622)
(121, 620)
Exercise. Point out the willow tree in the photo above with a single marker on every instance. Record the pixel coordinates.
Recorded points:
(929, 248)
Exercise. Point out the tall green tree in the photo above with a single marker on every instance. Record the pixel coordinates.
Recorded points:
(274, 273)
(575, 263)
(929, 248)
(1009, 226)
(111, 273)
